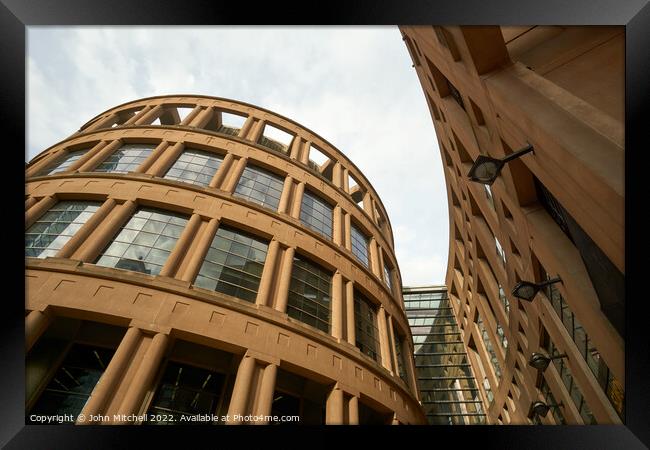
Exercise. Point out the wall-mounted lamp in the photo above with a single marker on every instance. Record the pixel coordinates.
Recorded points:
(527, 290)
(486, 169)
(541, 361)
(538, 408)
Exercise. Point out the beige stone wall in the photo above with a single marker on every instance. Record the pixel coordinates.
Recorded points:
(160, 309)
(543, 86)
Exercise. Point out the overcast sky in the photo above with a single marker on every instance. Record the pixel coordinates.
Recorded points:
(352, 85)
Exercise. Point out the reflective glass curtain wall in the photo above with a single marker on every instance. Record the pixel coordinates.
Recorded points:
(447, 386)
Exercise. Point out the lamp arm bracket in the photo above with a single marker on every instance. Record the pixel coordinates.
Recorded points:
(527, 149)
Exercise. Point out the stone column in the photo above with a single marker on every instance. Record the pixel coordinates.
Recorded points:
(80, 236)
(100, 156)
(367, 206)
(296, 147)
(36, 168)
(391, 332)
(203, 117)
(349, 309)
(241, 390)
(102, 236)
(266, 392)
(257, 130)
(152, 158)
(36, 323)
(410, 368)
(245, 129)
(304, 154)
(190, 117)
(216, 121)
(334, 407)
(337, 175)
(286, 195)
(130, 115)
(160, 167)
(374, 257)
(31, 201)
(131, 120)
(111, 376)
(297, 200)
(181, 247)
(282, 293)
(346, 180)
(40, 208)
(102, 122)
(383, 339)
(222, 171)
(380, 253)
(268, 273)
(337, 305)
(148, 117)
(235, 174)
(347, 231)
(353, 410)
(141, 382)
(374, 215)
(197, 257)
(337, 225)
(86, 156)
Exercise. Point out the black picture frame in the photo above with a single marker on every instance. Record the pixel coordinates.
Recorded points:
(16, 15)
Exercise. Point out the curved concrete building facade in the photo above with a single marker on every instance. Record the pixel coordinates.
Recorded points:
(192, 255)
(552, 216)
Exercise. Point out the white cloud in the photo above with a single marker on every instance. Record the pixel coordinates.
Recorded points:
(417, 270)
(42, 124)
(353, 86)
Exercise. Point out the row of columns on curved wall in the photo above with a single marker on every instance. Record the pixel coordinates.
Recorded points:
(108, 219)
(225, 179)
(274, 283)
(111, 215)
(201, 116)
(252, 392)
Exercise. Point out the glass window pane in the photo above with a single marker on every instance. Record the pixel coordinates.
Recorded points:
(140, 244)
(195, 167)
(72, 383)
(582, 341)
(488, 345)
(570, 383)
(56, 227)
(387, 277)
(365, 323)
(64, 162)
(186, 390)
(309, 294)
(126, 159)
(316, 214)
(359, 245)
(260, 186)
(500, 253)
(233, 264)
(550, 400)
(447, 386)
